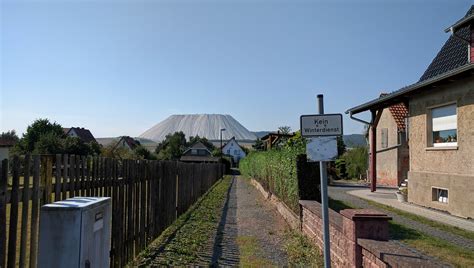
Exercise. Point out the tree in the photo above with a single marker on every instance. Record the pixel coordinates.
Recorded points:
(41, 130)
(341, 146)
(141, 152)
(284, 130)
(9, 136)
(356, 162)
(113, 151)
(172, 147)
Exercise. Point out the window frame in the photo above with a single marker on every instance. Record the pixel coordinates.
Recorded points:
(429, 129)
(436, 195)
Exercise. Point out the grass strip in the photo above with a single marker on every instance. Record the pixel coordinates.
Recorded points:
(181, 242)
(444, 227)
(250, 252)
(301, 251)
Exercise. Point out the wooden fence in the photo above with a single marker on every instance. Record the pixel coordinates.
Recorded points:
(147, 196)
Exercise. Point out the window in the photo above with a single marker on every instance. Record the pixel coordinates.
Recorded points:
(444, 126)
(440, 195)
(384, 137)
(236, 152)
(228, 151)
(193, 151)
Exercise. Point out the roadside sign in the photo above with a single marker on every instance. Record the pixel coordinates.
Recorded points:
(321, 125)
(321, 149)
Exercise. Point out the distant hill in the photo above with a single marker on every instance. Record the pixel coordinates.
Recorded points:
(355, 140)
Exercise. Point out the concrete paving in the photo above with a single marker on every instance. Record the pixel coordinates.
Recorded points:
(387, 197)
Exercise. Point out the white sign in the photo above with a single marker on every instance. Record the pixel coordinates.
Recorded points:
(321, 125)
(321, 149)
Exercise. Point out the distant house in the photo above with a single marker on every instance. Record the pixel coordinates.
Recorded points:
(198, 152)
(82, 133)
(440, 126)
(392, 153)
(127, 142)
(233, 149)
(272, 139)
(5, 146)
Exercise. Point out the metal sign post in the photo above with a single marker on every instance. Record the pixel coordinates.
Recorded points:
(323, 148)
(324, 198)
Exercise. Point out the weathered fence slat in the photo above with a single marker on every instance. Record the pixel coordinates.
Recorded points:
(12, 233)
(24, 210)
(3, 211)
(35, 211)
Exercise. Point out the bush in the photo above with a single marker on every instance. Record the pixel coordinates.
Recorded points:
(356, 162)
(276, 171)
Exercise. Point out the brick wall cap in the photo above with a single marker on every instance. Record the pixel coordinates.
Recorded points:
(364, 214)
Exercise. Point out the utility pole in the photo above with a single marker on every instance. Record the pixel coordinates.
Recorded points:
(324, 197)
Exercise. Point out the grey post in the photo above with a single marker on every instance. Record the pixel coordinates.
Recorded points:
(324, 198)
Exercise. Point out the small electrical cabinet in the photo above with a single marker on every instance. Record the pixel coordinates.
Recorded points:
(75, 233)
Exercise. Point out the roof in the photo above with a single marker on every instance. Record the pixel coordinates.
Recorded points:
(131, 142)
(82, 133)
(196, 158)
(4, 142)
(468, 17)
(196, 146)
(399, 113)
(451, 60)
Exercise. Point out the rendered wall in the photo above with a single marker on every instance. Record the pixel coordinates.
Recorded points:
(451, 168)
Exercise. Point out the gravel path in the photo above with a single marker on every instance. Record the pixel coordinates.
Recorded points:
(340, 193)
(246, 215)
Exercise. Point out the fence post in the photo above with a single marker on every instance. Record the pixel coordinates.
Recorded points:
(46, 178)
(12, 232)
(3, 211)
(35, 211)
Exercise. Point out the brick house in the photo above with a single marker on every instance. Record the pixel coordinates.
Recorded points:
(440, 126)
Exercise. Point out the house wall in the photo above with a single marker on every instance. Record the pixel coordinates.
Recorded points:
(233, 149)
(387, 159)
(451, 169)
(4, 152)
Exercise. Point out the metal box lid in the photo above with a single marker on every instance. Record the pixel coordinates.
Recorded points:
(76, 203)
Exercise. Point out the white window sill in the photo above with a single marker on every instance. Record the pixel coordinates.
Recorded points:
(442, 148)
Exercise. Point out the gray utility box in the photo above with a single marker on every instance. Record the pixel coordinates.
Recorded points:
(75, 233)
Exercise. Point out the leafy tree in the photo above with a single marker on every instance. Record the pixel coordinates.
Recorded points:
(10, 136)
(341, 170)
(48, 143)
(114, 151)
(297, 141)
(172, 147)
(341, 146)
(141, 152)
(356, 162)
(74, 145)
(284, 130)
(35, 132)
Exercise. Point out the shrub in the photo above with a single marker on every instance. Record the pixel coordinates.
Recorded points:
(276, 171)
(356, 162)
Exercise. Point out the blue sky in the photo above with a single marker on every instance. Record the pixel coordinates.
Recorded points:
(118, 68)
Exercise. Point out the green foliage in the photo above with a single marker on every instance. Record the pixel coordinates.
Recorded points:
(276, 170)
(341, 146)
(9, 136)
(296, 141)
(141, 152)
(172, 147)
(114, 151)
(43, 132)
(356, 162)
(341, 170)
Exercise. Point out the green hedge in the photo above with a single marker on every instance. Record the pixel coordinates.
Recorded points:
(276, 171)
